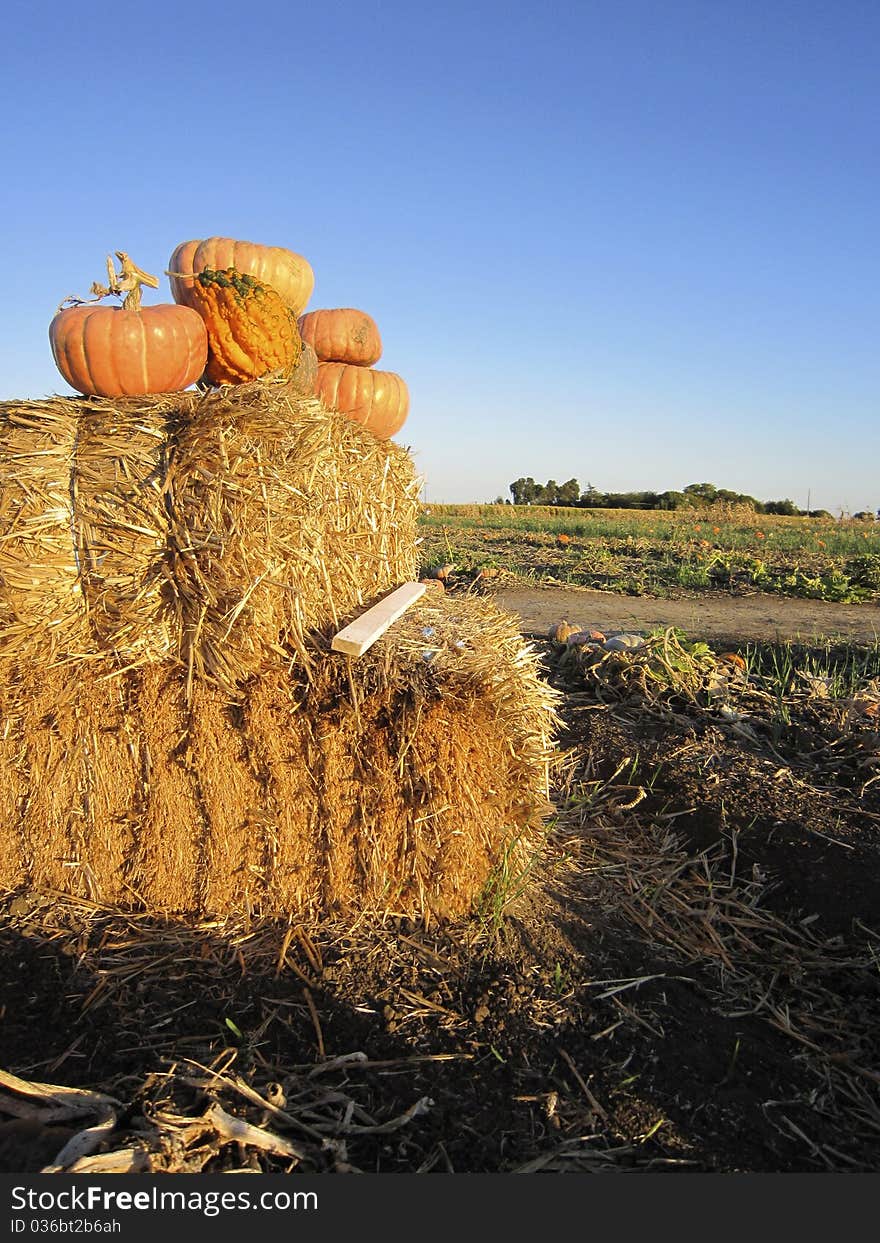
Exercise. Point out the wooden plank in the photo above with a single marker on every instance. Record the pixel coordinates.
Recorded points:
(362, 633)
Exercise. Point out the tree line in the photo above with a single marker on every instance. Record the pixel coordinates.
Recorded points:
(695, 496)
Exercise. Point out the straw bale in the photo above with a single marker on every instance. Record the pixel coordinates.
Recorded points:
(50, 798)
(284, 517)
(397, 781)
(39, 577)
(82, 527)
(118, 470)
(217, 529)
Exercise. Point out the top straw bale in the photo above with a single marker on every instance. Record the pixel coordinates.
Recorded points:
(216, 528)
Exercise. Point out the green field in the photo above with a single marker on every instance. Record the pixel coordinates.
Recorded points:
(653, 552)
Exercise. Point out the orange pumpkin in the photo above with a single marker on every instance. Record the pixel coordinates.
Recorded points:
(560, 631)
(250, 330)
(342, 335)
(128, 350)
(378, 399)
(287, 273)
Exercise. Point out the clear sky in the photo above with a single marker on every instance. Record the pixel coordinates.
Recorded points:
(629, 241)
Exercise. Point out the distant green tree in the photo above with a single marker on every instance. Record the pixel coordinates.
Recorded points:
(524, 491)
(568, 493)
(706, 492)
(631, 500)
(671, 500)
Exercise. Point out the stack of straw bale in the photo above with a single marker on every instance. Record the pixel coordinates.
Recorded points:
(175, 732)
(399, 781)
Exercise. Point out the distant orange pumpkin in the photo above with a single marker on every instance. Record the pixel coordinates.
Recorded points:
(560, 631)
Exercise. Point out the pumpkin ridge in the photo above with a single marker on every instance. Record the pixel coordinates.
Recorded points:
(64, 347)
(92, 335)
(141, 330)
(182, 344)
(181, 350)
(95, 345)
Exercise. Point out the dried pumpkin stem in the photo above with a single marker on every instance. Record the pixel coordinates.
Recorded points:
(128, 280)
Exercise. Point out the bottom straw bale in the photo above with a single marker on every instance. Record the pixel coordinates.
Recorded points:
(397, 781)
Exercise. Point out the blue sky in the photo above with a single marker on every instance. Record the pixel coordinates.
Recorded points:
(632, 242)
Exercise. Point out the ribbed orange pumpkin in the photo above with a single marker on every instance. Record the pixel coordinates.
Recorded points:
(128, 350)
(286, 272)
(250, 330)
(378, 399)
(342, 335)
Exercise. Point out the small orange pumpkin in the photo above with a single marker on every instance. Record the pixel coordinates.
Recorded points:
(128, 350)
(342, 335)
(378, 399)
(284, 271)
(560, 631)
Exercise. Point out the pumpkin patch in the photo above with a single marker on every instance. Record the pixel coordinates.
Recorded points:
(237, 318)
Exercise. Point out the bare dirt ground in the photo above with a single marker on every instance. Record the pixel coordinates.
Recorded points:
(712, 617)
(686, 980)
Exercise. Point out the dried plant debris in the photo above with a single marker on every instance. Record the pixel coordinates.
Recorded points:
(827, 713)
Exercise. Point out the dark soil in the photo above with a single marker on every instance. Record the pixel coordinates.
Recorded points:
(686, 982)
(713, 616)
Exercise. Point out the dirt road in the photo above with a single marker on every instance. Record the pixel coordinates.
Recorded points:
(709, 617)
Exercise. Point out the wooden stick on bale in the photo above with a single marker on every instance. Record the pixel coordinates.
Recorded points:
(362, 633)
